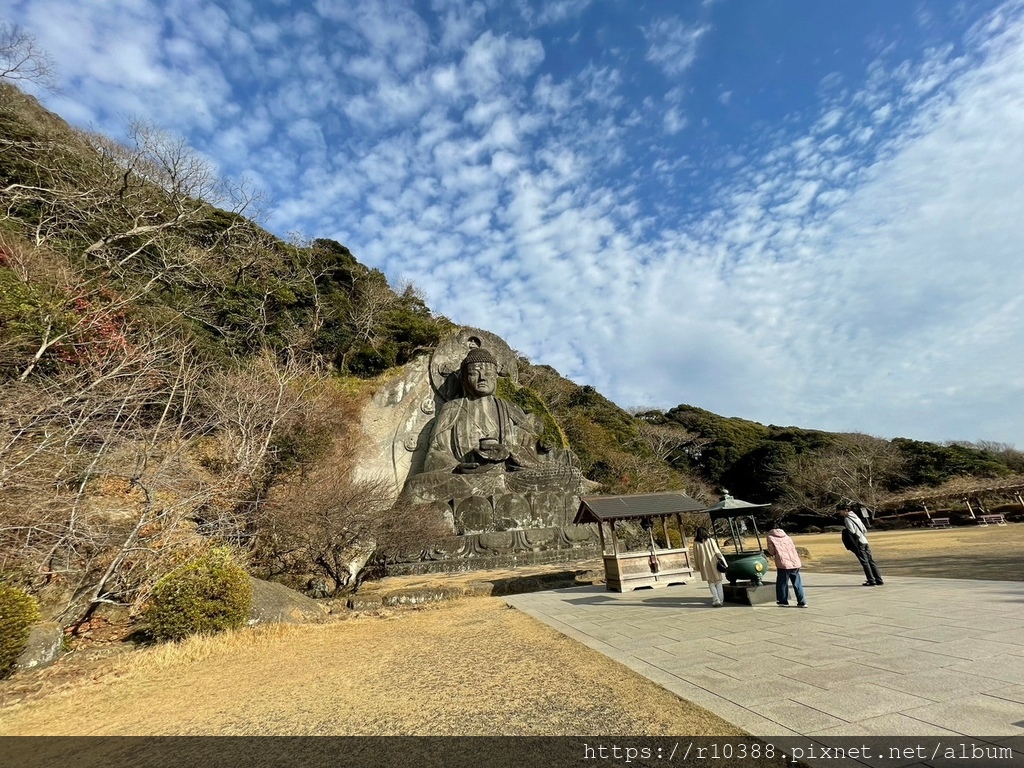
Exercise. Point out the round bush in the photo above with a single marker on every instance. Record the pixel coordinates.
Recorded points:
(205, 596)
(18, 612)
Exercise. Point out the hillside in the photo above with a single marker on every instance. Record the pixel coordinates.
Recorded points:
(175, 377)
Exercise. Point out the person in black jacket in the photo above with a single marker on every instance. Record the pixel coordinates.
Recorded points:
(855, 537)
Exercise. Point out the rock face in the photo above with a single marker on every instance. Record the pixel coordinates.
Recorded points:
(276, 603)
(443, 438)
(45, 645)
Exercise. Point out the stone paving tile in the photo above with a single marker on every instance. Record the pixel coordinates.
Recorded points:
(980, 714)
(891, 724)
(860, 701)
(605, 636)
(1012, 693)
(850, 729)
(943, 633)
(631, 644)
(761, 726)
(652, 672)
(764, 690)
(742, 638)
(715, 645)
(1007, 668)
(679, 665)
(890, 644)
(799, 717)
(858, 632)
(939, 684)
(742, 717)
(972, 648)
(802, 627)
(904, 663)
(835, 675)
(655, 655)
(706, 677)
(817, 656)
(758, 665)
(991, 623)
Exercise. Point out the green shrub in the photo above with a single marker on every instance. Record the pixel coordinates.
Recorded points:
(18, 612)
(208, 595)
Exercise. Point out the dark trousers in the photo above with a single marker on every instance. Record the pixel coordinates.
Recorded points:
(867, 562)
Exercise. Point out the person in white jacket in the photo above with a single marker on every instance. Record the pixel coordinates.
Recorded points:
(787, 567)
(862, 550)
(706, 556)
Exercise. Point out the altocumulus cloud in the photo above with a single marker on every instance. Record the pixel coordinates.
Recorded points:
(564, 175)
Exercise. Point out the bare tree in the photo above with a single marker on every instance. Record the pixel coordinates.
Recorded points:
(22, 58)
(666, 440)
(68, 437)
(121, 204)
(856, 468)
(373, 297)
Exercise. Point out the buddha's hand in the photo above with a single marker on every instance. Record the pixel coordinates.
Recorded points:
(492, 451)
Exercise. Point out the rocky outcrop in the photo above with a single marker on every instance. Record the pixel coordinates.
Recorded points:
(276, 603)
(45, 645)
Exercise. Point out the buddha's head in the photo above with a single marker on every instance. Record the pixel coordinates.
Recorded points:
(479, 373)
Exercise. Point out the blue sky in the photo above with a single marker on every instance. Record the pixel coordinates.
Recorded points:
(801, 213)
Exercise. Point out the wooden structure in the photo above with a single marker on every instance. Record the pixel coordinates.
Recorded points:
(965, 491)
(652, 567)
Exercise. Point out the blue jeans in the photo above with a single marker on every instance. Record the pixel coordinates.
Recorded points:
(782, 580)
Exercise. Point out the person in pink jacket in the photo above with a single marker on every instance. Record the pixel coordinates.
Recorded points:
(787, 566)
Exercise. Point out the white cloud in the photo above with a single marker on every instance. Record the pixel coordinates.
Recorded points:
(674, 121)
(860, 272)
(673, 44)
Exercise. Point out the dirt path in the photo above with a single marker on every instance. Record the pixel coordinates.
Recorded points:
(468, 667)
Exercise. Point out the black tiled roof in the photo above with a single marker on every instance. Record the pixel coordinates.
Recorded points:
(594, 509)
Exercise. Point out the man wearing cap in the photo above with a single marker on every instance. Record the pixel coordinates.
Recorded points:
(862, 550)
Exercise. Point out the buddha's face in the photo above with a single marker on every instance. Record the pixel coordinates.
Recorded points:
(480, 379)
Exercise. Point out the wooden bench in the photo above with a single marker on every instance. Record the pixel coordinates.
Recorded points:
(991, 519)
(938, 522)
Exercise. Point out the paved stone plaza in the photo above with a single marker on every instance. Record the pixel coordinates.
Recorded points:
(917, 657)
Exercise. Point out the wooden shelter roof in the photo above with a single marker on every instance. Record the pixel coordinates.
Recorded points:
(957, 488)
(602, 509)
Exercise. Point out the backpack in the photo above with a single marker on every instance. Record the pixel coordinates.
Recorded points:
(850, 541)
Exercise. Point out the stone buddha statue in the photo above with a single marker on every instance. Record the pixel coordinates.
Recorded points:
(480, 432)
(485, 460)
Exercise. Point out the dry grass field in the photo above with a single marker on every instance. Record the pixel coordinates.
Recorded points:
(969, 552)
(467, 667)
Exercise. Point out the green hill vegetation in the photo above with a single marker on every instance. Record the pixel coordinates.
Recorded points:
(177, 379)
